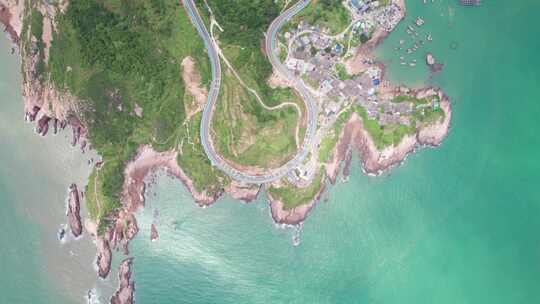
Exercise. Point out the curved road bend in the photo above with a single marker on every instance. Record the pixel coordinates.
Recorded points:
(213, 94)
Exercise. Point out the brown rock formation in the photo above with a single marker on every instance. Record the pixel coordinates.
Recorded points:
(153, 232)
(126, 287)
(374, 161)
(117, 237)
(433, 65)
(104, 255)
(74, 211)
(10, 11)
(43, 125)
(292, 216)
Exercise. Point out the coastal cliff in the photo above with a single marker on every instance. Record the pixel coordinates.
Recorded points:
(43, 102)
(375, 161)
(292, 216)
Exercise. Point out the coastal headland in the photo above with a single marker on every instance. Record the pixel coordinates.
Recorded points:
(288, 112)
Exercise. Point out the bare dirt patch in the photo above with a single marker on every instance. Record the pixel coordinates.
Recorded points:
(276, 81)
(192, 80)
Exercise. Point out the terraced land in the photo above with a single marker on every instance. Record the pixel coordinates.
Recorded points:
(246, 132)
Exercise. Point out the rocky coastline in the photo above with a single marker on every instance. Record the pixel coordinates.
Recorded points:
(104, 256)
(126, 287)
(154, 235)
(355, 136)
(294, 216)
(11, 18)
(125, 225)
(433, 65)
(374, 161)
(50, 108)
(43, 103)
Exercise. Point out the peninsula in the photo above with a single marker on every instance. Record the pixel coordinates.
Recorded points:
(231, 97)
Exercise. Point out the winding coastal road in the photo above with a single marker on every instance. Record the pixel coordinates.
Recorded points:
(298, 84)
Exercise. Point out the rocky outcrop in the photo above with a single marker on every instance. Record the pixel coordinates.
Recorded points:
(293, 216)
(74, 211)
(126, 287)
(116, 237)
(78, 132)
(43, 125)
(11, 17)
(153, 233)
(243, 192)
(104, 255)
(124, 230)
(124, 227)
(148, 160)
(433, 65)
(144, 162)
(375, 161)
(433, 135)
(42, 100)
(341, 150)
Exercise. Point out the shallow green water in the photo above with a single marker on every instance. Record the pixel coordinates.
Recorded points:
(456, 224)
(34, 176)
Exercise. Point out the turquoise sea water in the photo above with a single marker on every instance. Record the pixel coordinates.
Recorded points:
(456, 224)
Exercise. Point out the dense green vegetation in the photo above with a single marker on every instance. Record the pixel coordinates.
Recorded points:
(100, 202)
(36, 21)
(244, 23)
(193, 159)
(117, 56)
(292, 196)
